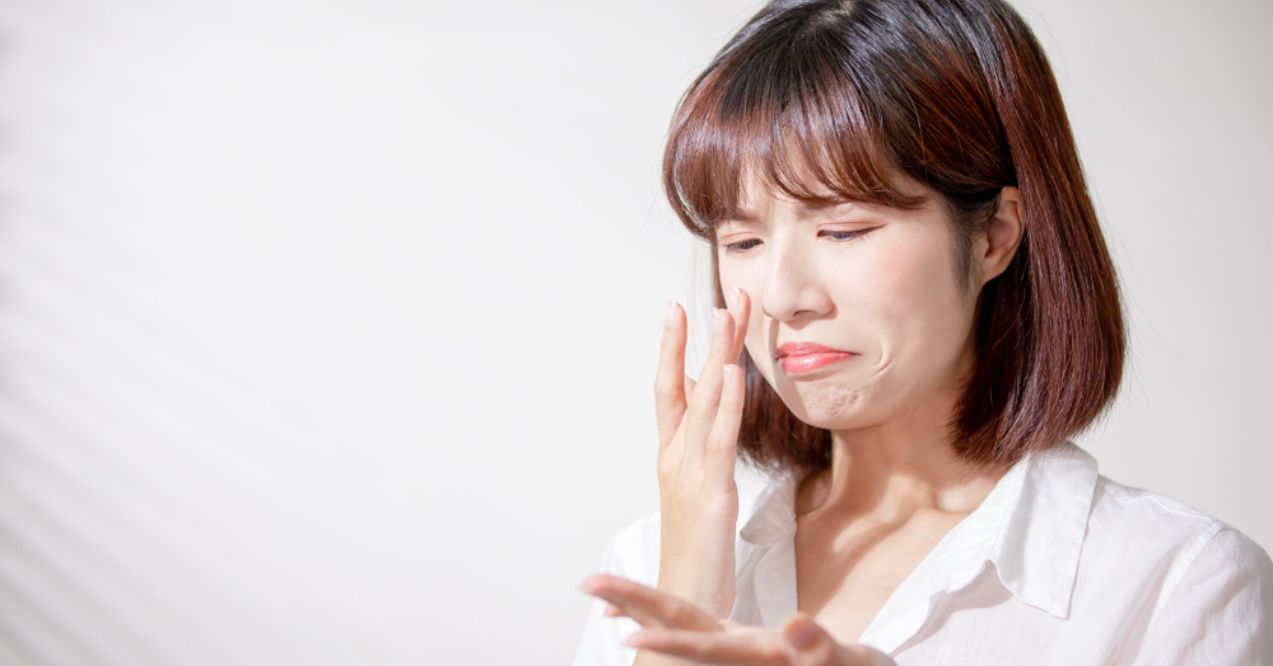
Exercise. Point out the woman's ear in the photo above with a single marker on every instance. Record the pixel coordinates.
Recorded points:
(996, 248)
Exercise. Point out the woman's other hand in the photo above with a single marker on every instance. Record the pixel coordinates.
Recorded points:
(698, 433)
(675, 627)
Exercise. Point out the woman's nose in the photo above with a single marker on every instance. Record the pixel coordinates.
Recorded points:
(792, 288)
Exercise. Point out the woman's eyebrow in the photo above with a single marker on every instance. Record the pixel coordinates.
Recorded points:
(746, 216)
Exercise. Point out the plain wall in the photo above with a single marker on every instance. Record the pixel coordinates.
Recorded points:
(328, 330)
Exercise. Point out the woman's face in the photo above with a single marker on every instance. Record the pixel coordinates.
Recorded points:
(871, 280)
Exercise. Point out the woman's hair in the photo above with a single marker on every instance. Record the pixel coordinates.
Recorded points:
(954, 94)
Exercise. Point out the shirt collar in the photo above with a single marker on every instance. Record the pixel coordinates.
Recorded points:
(1031, 526)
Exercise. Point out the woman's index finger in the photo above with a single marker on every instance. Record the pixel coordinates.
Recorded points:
(669, 383)
(742, 309)
(670, 611)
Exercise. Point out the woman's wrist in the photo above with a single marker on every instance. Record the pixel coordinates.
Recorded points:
(702, 591)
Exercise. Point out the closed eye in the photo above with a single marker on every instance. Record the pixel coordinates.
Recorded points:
(742, 246)
(847, 235)
(839, 236)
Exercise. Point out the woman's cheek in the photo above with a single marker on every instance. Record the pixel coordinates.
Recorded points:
(756, 348)
(922, 309)
(878, 271)
(886, 296)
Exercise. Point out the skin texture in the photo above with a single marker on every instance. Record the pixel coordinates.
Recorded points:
(881, 283)
(875, 281)
(885, 294)
(889, 295)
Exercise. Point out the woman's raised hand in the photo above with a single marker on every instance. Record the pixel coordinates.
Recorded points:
(698, 436)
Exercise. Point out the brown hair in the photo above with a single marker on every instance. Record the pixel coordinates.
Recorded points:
(957, 95)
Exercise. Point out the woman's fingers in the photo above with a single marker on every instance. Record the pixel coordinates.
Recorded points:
(742, 645)
(812, 644)
(723, 438)
(675, 397)
(801, 642)
(646, 619)
(670, 387)
(649, 606)
(701, 410)
(741, 308)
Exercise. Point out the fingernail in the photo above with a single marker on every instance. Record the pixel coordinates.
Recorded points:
(669, 317)
(720, 320)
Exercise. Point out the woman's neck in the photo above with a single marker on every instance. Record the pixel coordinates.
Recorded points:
(892, 471)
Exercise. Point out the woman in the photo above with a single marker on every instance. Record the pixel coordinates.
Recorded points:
(920, 312)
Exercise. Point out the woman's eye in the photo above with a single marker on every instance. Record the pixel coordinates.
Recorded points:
(743, 246)
(847, 235)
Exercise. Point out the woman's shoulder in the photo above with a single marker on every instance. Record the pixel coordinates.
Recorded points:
(1206, 587)
(1118, 508)
(1170, 536)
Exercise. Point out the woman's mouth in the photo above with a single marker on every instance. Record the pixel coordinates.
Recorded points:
(794, 364)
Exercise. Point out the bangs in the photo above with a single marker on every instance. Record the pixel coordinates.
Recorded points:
(788, 115)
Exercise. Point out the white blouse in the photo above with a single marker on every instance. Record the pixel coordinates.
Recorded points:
(1058, 565)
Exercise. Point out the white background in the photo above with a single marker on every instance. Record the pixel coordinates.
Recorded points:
(328, 329)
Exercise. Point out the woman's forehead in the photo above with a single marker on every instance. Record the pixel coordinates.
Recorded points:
(755, 190)
(748, 209)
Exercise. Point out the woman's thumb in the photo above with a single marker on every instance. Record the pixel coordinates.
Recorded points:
(813, 646)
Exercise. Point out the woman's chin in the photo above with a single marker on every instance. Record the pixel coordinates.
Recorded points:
(830, 410)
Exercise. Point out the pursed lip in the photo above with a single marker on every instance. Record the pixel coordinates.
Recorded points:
(803, 348)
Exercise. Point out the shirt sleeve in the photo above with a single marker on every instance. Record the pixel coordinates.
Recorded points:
(632, 553)
(1221, 609)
